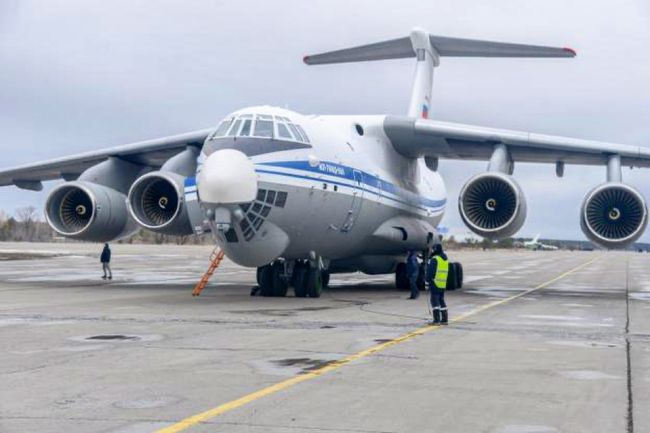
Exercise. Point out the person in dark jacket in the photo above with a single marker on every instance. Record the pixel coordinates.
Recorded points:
(436, 277)
(412, 272)
(105, 259)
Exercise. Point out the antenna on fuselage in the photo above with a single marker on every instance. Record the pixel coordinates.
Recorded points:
(428, 49)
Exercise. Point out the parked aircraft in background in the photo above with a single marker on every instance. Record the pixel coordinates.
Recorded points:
(535, 244)
(302, 196)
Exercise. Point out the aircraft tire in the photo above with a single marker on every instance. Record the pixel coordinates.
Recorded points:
(279, 285)
(451, 277)
(299, 279)
(326, 280)
(257, 276)
(266, 280)
(314, 282)
(401, 280)
(459, 275)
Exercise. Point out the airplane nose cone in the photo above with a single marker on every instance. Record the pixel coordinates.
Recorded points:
(227, 177)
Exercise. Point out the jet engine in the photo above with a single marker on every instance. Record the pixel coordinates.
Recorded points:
(492, 205)
(88, 211)
(156, 202)
(613, 215)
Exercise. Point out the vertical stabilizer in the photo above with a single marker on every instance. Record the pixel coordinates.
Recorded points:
(427, 59)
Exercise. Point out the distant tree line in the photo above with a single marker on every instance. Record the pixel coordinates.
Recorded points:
(28, 225)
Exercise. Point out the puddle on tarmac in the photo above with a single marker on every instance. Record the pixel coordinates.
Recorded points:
(640, 296)
(7, 256)
(116, 338)
(279, 312)
(306, 364)
(113, 337)
(293, 366)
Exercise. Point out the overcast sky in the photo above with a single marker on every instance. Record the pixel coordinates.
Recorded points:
(82, 75)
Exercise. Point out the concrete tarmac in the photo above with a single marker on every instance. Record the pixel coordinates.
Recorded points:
(139, 353)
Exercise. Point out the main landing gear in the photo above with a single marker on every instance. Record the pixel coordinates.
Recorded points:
(274, 279)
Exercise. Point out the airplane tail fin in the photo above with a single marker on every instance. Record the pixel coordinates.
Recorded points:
(536, 238)
(428, 49)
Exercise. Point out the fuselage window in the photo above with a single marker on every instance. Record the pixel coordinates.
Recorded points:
(284, 132)
(246, 129)
(234, 128)
(263, 128)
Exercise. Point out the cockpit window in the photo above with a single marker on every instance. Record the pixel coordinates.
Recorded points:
(263, 125)
(263, 128)
(295, 131)
(223, 127)
(283, 132)
(302, 134)
(246, 129)
(235, 127)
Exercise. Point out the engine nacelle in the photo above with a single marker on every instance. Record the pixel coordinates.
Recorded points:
(88, 211)
(613, 215)
(492, 205)
(156, 202)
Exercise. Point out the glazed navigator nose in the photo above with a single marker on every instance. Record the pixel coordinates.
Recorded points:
(227, 177)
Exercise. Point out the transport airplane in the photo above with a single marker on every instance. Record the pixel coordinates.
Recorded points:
(303, 196)
(535, 244)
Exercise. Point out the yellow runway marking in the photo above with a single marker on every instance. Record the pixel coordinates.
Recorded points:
(234, 404)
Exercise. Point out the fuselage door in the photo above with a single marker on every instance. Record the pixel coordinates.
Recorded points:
(355, 204)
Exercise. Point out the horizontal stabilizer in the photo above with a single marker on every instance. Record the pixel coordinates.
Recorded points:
(444, 47)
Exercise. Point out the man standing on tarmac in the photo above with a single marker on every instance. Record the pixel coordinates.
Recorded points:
(437, 271)
(106, 262)
(412, 272)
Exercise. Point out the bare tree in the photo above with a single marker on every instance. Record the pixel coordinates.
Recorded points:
(27, 217)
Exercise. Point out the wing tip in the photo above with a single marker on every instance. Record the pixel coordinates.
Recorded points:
(571, 51)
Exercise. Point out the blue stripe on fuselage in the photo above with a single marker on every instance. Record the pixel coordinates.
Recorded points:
(348, 173)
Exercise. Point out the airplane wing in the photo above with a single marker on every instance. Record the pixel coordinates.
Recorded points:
(421, 137)
(151, 153)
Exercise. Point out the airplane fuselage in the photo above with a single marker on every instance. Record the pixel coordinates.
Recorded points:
(333, 188)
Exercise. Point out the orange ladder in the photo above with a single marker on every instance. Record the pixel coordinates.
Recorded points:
(215, 260)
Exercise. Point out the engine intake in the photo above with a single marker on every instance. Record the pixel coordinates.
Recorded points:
(156, 202)
(613, 215)
(492, 205)
(87, 211)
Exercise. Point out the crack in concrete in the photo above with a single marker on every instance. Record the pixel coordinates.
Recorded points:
(630, 397)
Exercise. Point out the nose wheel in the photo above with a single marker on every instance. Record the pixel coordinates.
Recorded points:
(271, 280)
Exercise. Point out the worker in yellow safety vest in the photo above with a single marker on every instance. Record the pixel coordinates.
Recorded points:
(437, 271)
